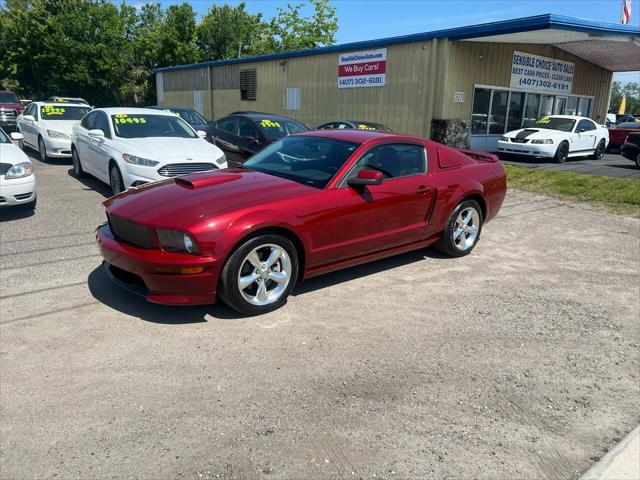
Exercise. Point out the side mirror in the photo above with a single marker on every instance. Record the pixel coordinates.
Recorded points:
(365, 177)
(201, 133)
(29, 118)
(16, 136)
(96, 133)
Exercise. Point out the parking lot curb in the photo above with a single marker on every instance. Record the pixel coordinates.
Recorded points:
(622, 462)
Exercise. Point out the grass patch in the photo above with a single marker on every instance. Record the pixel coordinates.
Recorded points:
(619, 195)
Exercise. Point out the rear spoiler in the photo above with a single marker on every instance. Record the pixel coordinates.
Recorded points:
(479, 156)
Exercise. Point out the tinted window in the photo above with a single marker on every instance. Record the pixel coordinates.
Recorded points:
(585, 126)
(146, 126)
(327, 126)
(635, 125)
(309, 160)
(246, 129)
(66, 112)
(88, 121)
(274, 129)
(190, 116)
(393, 160)
(4, 138)
(227, 124)
(9, 97)
(553, 123)
(102, 123)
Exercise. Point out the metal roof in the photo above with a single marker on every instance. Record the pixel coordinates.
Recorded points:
(595, 41)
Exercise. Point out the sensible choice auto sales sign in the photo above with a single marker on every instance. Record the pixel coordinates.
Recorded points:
(362, 69)
(541, 73)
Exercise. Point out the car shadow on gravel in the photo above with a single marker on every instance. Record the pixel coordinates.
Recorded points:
(92, 183)
(359, 271)
(117, 298)
(16, 212)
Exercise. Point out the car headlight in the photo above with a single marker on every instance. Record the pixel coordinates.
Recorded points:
(60, 135)
(222, 160)
(19, 170)
(132, 159)
(504, 139)
(544, 141)
(176, 241)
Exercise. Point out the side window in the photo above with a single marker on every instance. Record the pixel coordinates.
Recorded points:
(102, 123)
(393, 160)
(227, 124)
(327, 126)
(88, 121)
(585, 126)
(342, 125)
(246, 129)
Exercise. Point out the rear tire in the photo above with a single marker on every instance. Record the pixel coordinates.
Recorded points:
(251, 282)
(77, 165)
(462, 230)
(599, 151)
(115, 180)
(562, 153)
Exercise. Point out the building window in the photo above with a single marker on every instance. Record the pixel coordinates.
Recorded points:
(480, 109)
(248, 84)
(516, 104)
(583, 107)
(292, 98)
(498, 112)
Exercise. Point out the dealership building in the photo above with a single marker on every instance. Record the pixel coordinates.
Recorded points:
(463, 86)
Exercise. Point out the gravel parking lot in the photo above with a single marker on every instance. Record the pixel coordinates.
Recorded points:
(518, 361)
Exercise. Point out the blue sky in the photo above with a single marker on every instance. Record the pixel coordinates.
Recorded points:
(363, 20)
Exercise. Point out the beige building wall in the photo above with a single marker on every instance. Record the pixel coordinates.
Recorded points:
(471, 63)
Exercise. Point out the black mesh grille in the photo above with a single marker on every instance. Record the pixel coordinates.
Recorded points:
(4, 168)
(130, 232)
(519, 140)
(176, 169)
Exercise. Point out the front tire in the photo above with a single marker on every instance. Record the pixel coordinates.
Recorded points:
(599, 151)
(115, 180)
(638, 160)
(562, 153)
(462, 230)
(42, 150)
(77, 165)
(259, 275)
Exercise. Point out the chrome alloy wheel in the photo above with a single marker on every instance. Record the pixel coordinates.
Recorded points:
(466, 229)
(264, 274)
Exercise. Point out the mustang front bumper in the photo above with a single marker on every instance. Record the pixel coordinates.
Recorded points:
(528, 149)
(144, 272)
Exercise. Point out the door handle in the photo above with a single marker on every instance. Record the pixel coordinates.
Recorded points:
(422, 189)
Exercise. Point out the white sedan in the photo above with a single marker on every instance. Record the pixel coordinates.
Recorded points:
(128, 147)
(17, 181)
(46, 127)
(558, 137)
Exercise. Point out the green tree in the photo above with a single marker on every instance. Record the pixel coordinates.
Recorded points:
(292, 31)
(632, 92)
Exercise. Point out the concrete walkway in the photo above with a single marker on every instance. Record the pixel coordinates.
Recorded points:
(620, 463)
(612, 165)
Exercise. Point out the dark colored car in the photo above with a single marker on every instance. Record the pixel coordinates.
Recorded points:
(353, 124)
(10, 108)
(618, 133)
(305, 205)
(193, 118)
(242, 134)
(631, 148)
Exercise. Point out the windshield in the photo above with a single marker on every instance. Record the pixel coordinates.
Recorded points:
(53, 112)
(372, 126)
(309, 160)
(633, 125)
(553, 123)
(145, 126)
(4, 138)
(190, 116)
(275, 129)
(9, 97)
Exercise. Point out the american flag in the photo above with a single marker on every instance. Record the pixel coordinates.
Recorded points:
(625, 16)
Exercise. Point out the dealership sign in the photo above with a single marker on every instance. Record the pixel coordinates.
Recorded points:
(534, 72)
(362, 69)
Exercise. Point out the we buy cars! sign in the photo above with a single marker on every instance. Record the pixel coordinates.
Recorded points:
(362, 69)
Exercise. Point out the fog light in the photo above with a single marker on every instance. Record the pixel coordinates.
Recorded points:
(180, 270)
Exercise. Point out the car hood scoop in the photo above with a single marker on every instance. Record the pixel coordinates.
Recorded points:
(526, 132)
(205, 180)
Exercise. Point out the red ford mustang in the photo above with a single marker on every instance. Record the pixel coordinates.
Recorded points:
(305, 205)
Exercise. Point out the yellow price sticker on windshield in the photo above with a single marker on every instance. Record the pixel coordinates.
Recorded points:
(269, 124)
(52, 110)
(130, 120)
(544, 120)
(175, 113)
(362, 126)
